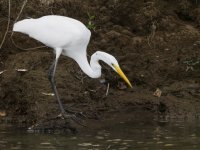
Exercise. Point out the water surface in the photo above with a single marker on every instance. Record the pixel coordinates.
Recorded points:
(144, 135)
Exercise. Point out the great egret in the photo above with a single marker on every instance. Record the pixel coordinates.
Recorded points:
(68, 37)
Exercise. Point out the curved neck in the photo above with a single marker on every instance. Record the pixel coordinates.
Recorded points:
(93, 69)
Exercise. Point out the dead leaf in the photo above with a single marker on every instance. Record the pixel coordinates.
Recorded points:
(2, 72)
(2, 113)
(157, 93)
(48, 94)
(21, 70)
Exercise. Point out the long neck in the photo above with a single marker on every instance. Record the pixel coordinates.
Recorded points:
(93, 69)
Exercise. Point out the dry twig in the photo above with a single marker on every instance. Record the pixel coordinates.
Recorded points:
(152, 34)
(107, 89)
(8, 24)
(19, 14)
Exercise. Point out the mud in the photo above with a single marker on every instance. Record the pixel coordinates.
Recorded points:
(157, 44)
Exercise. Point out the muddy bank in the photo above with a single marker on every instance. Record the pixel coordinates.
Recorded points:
(157, 44)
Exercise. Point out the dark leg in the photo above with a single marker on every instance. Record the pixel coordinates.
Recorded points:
(51, 75)
(66, 114)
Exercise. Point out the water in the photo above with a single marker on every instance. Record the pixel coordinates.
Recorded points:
(138, 135)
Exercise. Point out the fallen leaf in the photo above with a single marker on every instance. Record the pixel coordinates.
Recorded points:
(102, 80)
(48, 94)
(2, 71)
(2, 113)
(21, 70)
(157, 93)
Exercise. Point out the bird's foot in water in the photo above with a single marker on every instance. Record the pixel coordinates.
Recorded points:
(75, 116)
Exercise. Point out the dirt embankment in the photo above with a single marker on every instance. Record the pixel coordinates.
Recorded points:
(157, 44)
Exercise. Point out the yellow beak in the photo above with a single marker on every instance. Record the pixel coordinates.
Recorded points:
(122, 75)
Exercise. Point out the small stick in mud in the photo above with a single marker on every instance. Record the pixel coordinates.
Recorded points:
(108, 86)
(152, 34)
(11, 37)
(23, 5)
(8, 24)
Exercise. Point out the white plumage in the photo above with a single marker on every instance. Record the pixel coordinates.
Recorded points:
(55, 31)
(68, 37)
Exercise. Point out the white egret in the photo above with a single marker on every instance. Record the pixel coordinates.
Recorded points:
(68, 37)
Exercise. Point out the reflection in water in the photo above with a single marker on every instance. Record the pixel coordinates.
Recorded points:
(122, 136)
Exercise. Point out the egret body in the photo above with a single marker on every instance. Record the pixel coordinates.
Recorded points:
(68, 37)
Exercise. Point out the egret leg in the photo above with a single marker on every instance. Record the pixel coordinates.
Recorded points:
(51, 76)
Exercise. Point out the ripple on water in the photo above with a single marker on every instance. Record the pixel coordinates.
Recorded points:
(193, 135)
(165, 137)
(45, 143)
(3, 132)
(168, 137)
(114, 140)
(124, 143)
(73, 138)
(123, 148)
(3, 142)
(127, 140)
(96, 145)
(140, 142)
(168, 145)
(159, 142)
(85, 144)
(16, 147)
(47, 147)
(99, 137)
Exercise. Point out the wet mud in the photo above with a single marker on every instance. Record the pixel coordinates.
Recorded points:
(157, 44)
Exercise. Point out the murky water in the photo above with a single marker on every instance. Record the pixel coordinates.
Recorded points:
(148, 135)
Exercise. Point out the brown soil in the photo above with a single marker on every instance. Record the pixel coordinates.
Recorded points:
(157, 44)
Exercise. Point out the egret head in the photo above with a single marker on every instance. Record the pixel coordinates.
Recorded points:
(113, 63)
